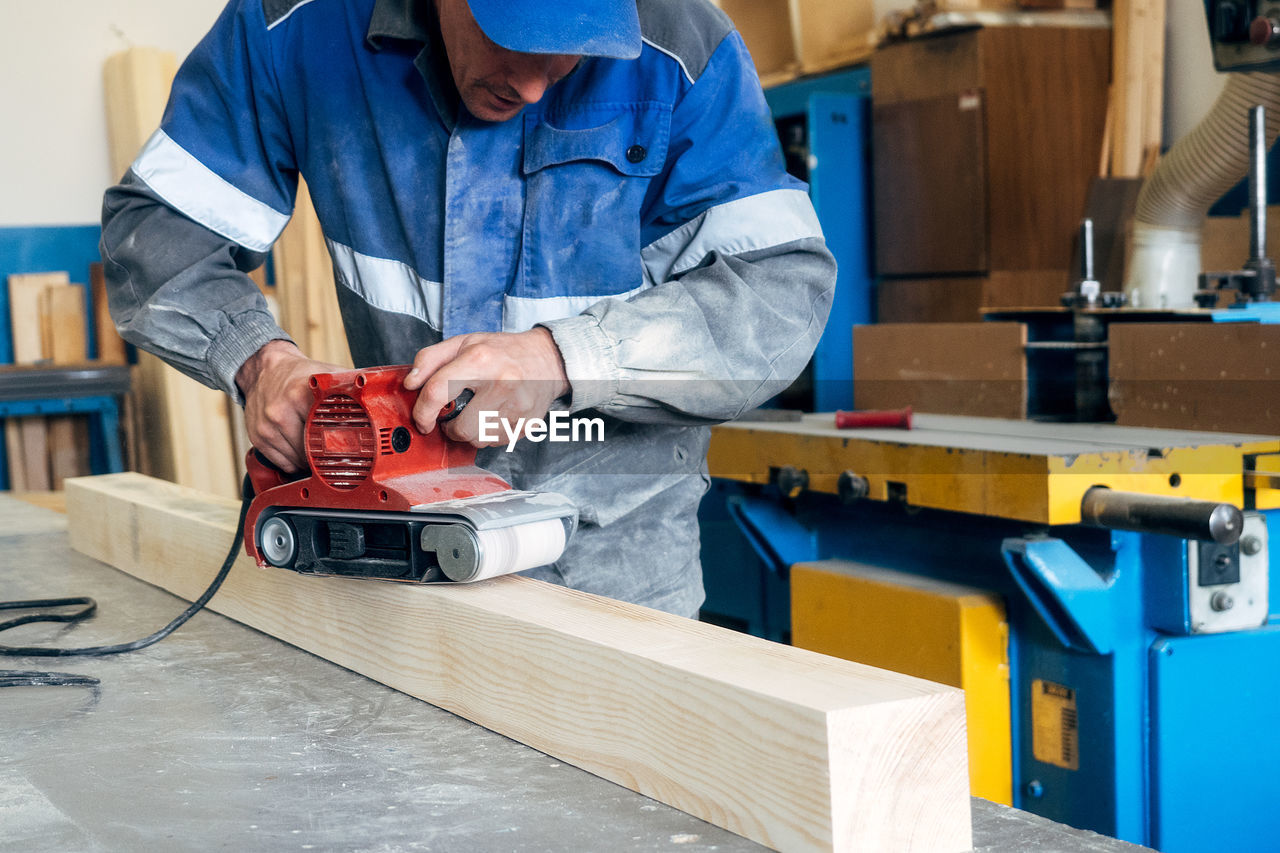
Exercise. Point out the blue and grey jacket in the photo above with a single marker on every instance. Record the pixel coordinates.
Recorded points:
(640, 212)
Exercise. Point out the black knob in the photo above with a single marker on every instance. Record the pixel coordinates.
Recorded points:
(791, 481)
(850, 487)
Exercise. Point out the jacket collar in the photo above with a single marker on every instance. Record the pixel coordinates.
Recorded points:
(415, 20)
(411, 20)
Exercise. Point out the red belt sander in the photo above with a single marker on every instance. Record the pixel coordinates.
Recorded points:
(383, 501)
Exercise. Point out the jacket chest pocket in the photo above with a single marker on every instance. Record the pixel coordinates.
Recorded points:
(586, 174)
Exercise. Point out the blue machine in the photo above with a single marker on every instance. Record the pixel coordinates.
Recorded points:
(825, 127)
(1144, 664)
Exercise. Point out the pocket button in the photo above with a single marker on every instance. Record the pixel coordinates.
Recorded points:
(636, 153)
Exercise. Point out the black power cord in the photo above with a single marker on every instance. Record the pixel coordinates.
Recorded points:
(30, 678)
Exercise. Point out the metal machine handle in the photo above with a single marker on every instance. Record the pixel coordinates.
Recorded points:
(1183, 517)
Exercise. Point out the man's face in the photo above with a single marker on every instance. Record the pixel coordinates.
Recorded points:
(495, 83)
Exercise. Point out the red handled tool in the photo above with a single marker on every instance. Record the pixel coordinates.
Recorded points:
(870, 418)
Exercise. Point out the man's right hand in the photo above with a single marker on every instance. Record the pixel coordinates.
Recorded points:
(277, 394)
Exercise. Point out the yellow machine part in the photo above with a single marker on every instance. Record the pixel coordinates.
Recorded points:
(1020, 470)
(1265, 480)
(945, 632)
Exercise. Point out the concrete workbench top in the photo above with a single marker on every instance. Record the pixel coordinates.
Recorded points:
(220, 737)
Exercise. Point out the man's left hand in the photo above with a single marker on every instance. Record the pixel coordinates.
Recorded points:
(517, 375)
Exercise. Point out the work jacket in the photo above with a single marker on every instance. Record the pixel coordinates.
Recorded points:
(640, 212)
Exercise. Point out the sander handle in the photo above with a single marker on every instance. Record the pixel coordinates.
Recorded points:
(265, 474)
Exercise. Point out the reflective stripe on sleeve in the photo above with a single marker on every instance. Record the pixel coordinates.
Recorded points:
(198, 192)
(749, 224)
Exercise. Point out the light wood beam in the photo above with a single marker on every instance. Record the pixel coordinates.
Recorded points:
(794, 749)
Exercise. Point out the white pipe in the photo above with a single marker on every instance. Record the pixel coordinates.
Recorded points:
(1164, 249)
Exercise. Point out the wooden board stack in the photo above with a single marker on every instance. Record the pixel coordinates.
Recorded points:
(794, 749)
(47, 316)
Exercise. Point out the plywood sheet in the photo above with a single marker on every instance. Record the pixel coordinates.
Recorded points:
(25, 293)
(1203, 376)
(947, 368)
(62, 321)
(35, 453)
(793, 749)
(111, 347)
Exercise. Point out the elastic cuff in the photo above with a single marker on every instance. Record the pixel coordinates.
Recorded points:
(589, 361)
(247, 334)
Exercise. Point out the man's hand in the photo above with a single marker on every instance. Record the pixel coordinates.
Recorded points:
(517, 375)
(277, 394)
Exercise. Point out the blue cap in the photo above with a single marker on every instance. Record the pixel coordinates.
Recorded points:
(575, 27)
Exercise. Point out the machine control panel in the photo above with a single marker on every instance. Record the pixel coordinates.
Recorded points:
(1228, 584)
(1245, 34)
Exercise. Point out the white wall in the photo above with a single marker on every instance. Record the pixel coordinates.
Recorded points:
(53, 136)
(53, 152)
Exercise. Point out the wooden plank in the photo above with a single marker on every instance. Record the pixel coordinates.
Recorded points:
(136, 82)
(68, 448)
(926, 68)
(947, 234)
(24, 313)
(1110, 206)
(305, 288)
(1137, 93)
(186, 433)
(948, 368)
(35, 453)
(1154, 13)
(62, 323)
(111, 347)
(55, 501)
(1046, 108)
(791, 748)
(984, 149)
(964, 299)
(1203, 376)
(16, 459)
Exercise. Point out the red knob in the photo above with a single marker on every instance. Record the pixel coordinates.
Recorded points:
(1263, 30)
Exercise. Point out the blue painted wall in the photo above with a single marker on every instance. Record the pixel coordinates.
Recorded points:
(48, 248)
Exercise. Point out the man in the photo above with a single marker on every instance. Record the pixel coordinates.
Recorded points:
(567, 203)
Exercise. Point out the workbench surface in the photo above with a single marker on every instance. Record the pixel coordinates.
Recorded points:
(220, 737)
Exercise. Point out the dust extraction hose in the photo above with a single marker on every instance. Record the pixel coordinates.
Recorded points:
(1164, 258)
